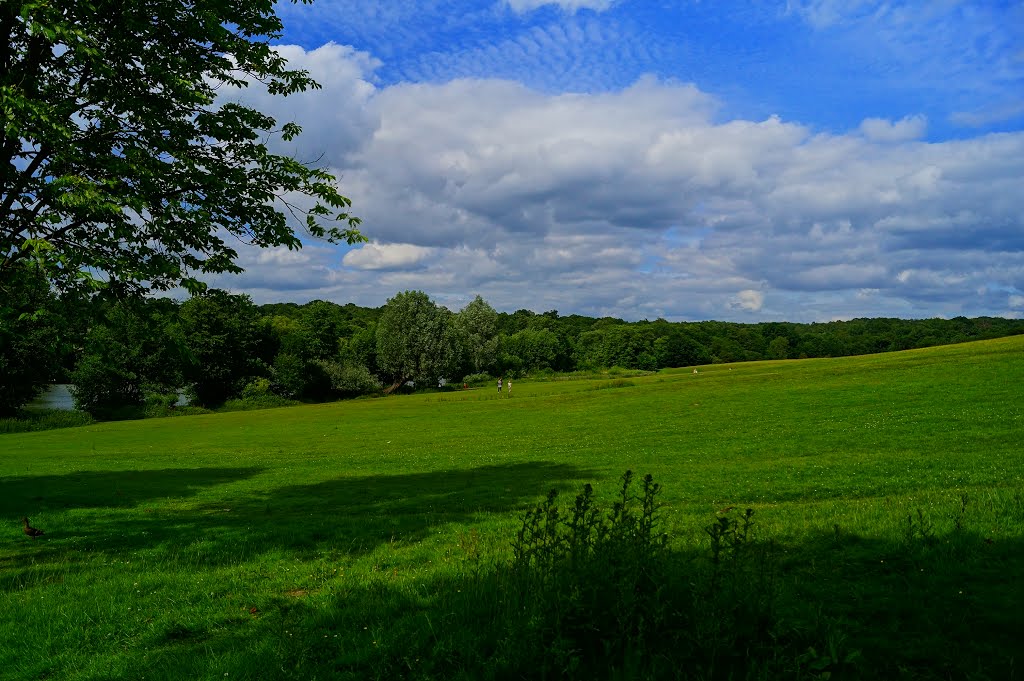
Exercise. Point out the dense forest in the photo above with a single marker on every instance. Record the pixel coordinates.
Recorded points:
(130, 354)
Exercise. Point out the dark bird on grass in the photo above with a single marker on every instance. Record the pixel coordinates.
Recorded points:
(31, 531)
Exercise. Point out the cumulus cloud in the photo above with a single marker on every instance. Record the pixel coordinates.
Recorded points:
(282, 256)
(882, 130)
(377, 256)
(748, 300)
(336, 118)
(644, 202)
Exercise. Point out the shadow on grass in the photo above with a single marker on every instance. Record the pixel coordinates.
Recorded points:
(933, 603)
(861, 609)
(854, 608)
(345, 515)
(28, 495)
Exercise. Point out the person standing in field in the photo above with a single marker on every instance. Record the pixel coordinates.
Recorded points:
(499, 385)
(509, 392)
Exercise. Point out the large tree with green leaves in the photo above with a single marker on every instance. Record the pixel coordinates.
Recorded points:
(477, 323)
(133, 352)
(32, 336)
(226, 341)
(416, 340)
(118, 163)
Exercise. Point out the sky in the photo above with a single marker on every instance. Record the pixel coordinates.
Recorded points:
(763, 160)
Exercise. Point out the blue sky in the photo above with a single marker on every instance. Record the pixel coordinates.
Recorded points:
(775, 159)
(826, 64)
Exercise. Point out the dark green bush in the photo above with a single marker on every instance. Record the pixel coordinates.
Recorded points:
(599, 594)
(44, 419)
(478, 380)
(258, 402)
(350, 380)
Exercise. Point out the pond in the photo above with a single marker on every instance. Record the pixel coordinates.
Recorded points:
(58, 396)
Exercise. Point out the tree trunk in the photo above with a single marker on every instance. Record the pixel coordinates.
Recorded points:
(395, 386)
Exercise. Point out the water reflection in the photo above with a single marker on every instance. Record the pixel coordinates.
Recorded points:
(56, 396)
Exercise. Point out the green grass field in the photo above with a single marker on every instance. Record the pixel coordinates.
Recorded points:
(358, 539)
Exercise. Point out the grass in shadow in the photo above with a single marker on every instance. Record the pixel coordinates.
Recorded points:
(349, 516)
(933, 598)
(109, 489)
(831, 607)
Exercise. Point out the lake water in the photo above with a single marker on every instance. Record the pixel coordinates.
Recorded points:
(58, 396)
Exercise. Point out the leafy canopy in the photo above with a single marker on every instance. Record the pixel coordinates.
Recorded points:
(416, 340)
(117, 161)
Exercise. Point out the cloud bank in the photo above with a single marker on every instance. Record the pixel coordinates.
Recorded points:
(644, 202)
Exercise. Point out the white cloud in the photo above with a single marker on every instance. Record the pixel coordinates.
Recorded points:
(336, 118)
(749, 300)
(377, 256)
(643, 203)
(281, 255)
(906, 129)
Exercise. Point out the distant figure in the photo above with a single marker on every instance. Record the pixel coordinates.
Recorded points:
(499, 385)
(509, 393)
(694, 371)
(465, 386)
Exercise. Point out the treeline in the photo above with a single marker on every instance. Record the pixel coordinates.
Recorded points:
(132, 354)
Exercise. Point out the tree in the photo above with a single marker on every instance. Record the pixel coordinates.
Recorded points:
(477, 324)
(134, 352)
(295, 377)
(532, 349)
(361, 348)
(118, 165)
(677, 349)
(223, 337)
(320, 325)
(778, 348)
(416, 340)
(31, 335)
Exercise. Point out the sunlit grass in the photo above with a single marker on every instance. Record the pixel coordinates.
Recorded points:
(321, 541)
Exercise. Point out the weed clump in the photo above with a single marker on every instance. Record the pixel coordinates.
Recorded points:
(600, 591)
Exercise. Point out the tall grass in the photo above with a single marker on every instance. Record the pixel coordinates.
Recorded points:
(44, 419)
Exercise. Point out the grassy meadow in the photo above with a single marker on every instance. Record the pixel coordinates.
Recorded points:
(372, 538)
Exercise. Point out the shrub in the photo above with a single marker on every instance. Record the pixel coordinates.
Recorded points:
(595, 579)
(44, 419)
(289, 375)
(160, 404)
(478, 380)
(256, 388)
(270, 401)
(103, 388)
(350, 380)
(595, 594)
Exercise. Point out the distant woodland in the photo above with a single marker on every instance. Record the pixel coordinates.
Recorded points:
(216, 347)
